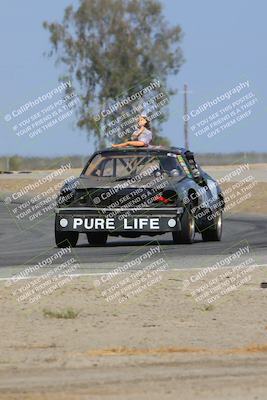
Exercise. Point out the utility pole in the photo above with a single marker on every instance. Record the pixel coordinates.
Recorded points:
(7, 164)
(186, 144)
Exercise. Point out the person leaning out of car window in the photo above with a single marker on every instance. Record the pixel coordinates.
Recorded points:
(140, 138)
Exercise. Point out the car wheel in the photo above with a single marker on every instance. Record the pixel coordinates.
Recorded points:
(66, 239)
(214, 232)
(97, 238)
(188, 228)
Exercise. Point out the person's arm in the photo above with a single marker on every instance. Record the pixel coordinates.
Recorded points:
(137, 133)
(134, 135)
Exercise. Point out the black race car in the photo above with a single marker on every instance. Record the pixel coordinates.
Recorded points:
(131, 192)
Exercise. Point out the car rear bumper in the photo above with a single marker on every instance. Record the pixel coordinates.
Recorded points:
(118, 220)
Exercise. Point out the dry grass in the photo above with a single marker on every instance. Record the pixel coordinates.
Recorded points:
(124, 351)
(68, 313)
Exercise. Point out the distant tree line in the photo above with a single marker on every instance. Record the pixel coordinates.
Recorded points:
(231, 158)
(19, 163)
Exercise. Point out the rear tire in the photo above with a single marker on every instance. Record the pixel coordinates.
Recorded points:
(214, 232)
(66, 239)
(97, 238)
(187, 233)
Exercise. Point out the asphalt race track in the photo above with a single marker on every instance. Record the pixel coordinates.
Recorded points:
(20, 248)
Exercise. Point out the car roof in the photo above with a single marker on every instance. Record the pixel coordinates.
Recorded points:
(157, 149)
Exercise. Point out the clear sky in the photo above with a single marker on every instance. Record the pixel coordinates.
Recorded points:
(224, 44)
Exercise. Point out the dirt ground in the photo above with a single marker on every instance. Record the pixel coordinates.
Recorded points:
(73, 344)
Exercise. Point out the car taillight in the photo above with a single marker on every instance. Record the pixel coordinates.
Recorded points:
(168, 196)
(161, 199)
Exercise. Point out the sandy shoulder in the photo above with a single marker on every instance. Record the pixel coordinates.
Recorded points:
(159, 342)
